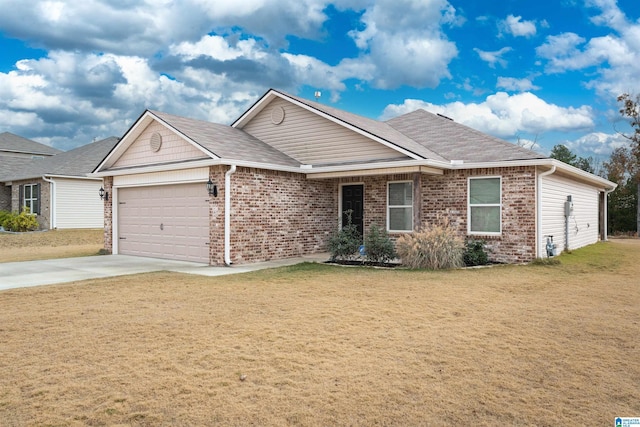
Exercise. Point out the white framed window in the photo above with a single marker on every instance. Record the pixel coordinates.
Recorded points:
(30, 197)
(400, 206)
(485, 205)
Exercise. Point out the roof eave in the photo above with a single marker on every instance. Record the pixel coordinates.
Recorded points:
(548, 162)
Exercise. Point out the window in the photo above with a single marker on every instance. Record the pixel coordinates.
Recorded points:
(400, 206)
(30, 196)
(485, 209)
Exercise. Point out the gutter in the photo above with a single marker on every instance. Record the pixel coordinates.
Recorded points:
(539, 210)
(53, 218)
(227, 214)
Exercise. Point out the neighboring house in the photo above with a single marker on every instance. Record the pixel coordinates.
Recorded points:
(58, 190)
(15, 153)
(288, 169)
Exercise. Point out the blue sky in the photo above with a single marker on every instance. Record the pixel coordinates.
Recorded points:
(544, 72)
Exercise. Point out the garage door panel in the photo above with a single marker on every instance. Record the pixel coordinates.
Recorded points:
(168, 221)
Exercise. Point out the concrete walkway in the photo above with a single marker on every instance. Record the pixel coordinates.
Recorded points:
(48, 272)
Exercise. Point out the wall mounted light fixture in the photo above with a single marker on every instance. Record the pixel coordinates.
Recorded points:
(212, 189)
(103, 194)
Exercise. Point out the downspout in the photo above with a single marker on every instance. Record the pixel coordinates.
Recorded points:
(227, 214)
(53, 220)
(606, 214)
(539, 211)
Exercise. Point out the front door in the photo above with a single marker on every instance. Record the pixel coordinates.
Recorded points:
(353, 203)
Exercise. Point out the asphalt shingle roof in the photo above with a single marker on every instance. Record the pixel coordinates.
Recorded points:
(455, 141)
(226, 142)
(18, 144)
(77, 162)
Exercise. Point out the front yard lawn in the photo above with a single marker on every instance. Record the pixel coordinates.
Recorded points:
(324, 345)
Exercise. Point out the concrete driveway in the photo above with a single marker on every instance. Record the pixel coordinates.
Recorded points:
(48, 272)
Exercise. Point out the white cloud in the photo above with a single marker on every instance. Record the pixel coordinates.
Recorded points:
(614, 57)
(217, 47)
(515, 85)
(495, 57)
(597, 143)
(518, 28)
(404, 40)
(505, 115)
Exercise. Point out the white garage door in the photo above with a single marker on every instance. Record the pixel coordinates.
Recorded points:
(164, 221)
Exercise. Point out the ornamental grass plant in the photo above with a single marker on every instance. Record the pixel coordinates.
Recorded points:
(435, 246)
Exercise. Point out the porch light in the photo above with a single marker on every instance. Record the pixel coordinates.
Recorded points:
(212, 189)
(103, 194)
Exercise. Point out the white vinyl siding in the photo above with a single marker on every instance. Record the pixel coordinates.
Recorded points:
(78, 204)
(400, 206)
(583, 224)
(485, 206)
(311, 139)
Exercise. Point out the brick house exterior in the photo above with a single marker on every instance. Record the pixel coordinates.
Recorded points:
(43, 214)
(281, 169)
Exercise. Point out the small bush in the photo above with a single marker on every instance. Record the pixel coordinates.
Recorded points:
(475, 253)
(378, 247)
(4, 217)
(345, 242)
(21, 222)
(433, 247)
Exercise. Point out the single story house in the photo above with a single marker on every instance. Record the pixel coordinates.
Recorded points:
(15, 153)
(286, 171)
(58, 189)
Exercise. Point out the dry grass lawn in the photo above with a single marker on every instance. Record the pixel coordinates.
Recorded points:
(50, 244)
(325, 345)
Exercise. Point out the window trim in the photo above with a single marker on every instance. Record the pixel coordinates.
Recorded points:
(34, 199)
(389, 207)
(469, 205)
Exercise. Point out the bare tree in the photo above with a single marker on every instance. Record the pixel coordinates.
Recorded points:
(631, 111)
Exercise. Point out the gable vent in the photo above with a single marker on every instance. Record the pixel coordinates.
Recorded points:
(277, 115)
(155, 142)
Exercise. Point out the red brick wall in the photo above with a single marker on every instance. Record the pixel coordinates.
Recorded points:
(45, 200)
(274, 215)
(446, 196)
(108, 215)
(277, 215)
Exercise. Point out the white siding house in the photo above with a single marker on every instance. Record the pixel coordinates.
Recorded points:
(75, 205)
(580, 228)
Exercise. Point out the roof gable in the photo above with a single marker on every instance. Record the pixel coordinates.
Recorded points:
(377, 132)
(455, 141)
(158, 144)
(189, 139)
(311, 139)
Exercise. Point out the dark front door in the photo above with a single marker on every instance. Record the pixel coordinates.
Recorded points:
(352, 203)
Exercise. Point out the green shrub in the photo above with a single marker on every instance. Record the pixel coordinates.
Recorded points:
(4, 217)
(433, 247)
(378, 247)
(21, 222)
(475, 253)
(344, 243)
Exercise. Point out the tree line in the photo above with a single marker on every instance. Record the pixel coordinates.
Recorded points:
(623, 168)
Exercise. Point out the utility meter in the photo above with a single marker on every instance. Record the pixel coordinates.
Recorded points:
(568, 207)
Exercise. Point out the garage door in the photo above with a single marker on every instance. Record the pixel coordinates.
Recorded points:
(164, 221)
